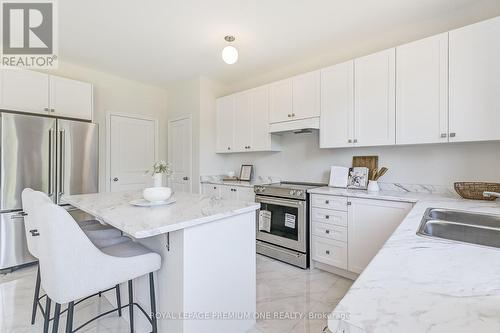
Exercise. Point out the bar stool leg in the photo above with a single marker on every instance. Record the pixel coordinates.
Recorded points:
(35, 297)
(131, 305)
(118, 300)
(154, 322)
(57, 313)
(46, 319)
(69, 320)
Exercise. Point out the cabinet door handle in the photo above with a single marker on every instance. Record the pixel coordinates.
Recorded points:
(327, 217)
(228, 148)
(327, 202)
(46, 109)
(444, 135)
(327, 251)
(327, 231)
(293, 114)
(289, 115)
(52, 110)
(349, 141)
(115, 179)
(355, 140)
(453, 134)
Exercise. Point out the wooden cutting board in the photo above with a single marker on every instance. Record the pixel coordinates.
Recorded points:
(371, 162)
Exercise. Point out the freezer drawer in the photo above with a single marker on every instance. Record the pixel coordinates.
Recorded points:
(13, 248)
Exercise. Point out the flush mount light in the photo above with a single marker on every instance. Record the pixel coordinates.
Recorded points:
(229, 53)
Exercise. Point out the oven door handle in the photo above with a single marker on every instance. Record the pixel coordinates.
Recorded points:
(283, 202)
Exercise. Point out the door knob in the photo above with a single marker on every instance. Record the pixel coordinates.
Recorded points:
(115, 179)
(185, 178)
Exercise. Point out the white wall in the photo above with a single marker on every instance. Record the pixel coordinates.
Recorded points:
(438, 164)
(116, 94)
(210, 163)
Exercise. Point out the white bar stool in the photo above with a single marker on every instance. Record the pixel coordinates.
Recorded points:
(99, 234)
(72, 267)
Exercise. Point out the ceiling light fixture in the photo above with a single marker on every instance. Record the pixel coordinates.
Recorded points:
(229, 53)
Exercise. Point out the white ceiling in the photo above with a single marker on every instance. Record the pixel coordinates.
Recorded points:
(161, 41)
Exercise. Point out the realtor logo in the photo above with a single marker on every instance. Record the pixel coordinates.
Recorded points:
(28, 34)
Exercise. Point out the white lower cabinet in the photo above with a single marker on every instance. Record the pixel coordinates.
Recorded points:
(371, 223)
(349, 232)
(229, 192)
(210, 189)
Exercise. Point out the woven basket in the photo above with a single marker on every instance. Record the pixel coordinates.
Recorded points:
(474, 190)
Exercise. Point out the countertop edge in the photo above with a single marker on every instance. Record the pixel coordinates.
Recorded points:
(175, 227)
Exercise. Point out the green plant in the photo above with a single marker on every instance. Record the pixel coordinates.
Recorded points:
(161, 167)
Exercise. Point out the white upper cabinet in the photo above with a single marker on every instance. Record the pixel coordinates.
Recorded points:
(374, 99)
(295, 98)
(243, 121)
(337, 106)
(34, 92)
(280, 101)
(475, 82)
(261, 139)
(70, 98)
(25, 91)
(306, 95)
(225, 123)
(422, 91)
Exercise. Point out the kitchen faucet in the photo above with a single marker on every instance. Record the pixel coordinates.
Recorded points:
(488, 194)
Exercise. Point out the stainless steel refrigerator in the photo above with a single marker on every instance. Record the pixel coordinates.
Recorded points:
(56, 156)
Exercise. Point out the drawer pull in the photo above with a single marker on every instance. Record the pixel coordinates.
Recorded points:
(327, 251)
(327, 231)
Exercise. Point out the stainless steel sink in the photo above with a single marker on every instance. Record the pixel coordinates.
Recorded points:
(465, 227)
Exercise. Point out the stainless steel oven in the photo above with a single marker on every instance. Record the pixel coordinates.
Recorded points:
(292, 236)
(283, 222)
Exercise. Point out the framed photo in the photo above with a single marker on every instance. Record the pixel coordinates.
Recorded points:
(246, 172)
(358, 178)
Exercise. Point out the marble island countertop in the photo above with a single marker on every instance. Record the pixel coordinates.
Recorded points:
(421, 284)
(114, 208)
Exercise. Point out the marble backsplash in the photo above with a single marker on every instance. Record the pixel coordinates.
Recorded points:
(397, 187)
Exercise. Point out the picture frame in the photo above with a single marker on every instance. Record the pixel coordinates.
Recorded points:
(246, 172)
(358, 178)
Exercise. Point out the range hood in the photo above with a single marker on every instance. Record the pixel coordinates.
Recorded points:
(299, 125)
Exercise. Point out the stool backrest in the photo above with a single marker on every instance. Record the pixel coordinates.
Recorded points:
(29, 201)
(66, 254)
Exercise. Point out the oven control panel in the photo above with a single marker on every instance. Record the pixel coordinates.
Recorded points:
(280, 192)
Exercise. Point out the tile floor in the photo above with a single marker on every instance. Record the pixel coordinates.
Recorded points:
(282, 290)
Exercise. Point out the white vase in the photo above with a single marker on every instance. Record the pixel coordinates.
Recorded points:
(157, 180)
(373, 186)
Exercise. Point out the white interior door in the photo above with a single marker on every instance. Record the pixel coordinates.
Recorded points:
(180, 153)
(132, 152)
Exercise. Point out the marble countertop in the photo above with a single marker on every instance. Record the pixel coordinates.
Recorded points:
(218, 180)
(391, 195)
(420, 284)
(189, 210)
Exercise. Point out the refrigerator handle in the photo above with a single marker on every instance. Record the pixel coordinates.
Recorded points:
(62, 136)
(50, 189)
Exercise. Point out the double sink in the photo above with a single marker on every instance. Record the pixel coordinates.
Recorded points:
(460, 226)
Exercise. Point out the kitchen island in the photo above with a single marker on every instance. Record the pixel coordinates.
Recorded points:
(207, 281)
